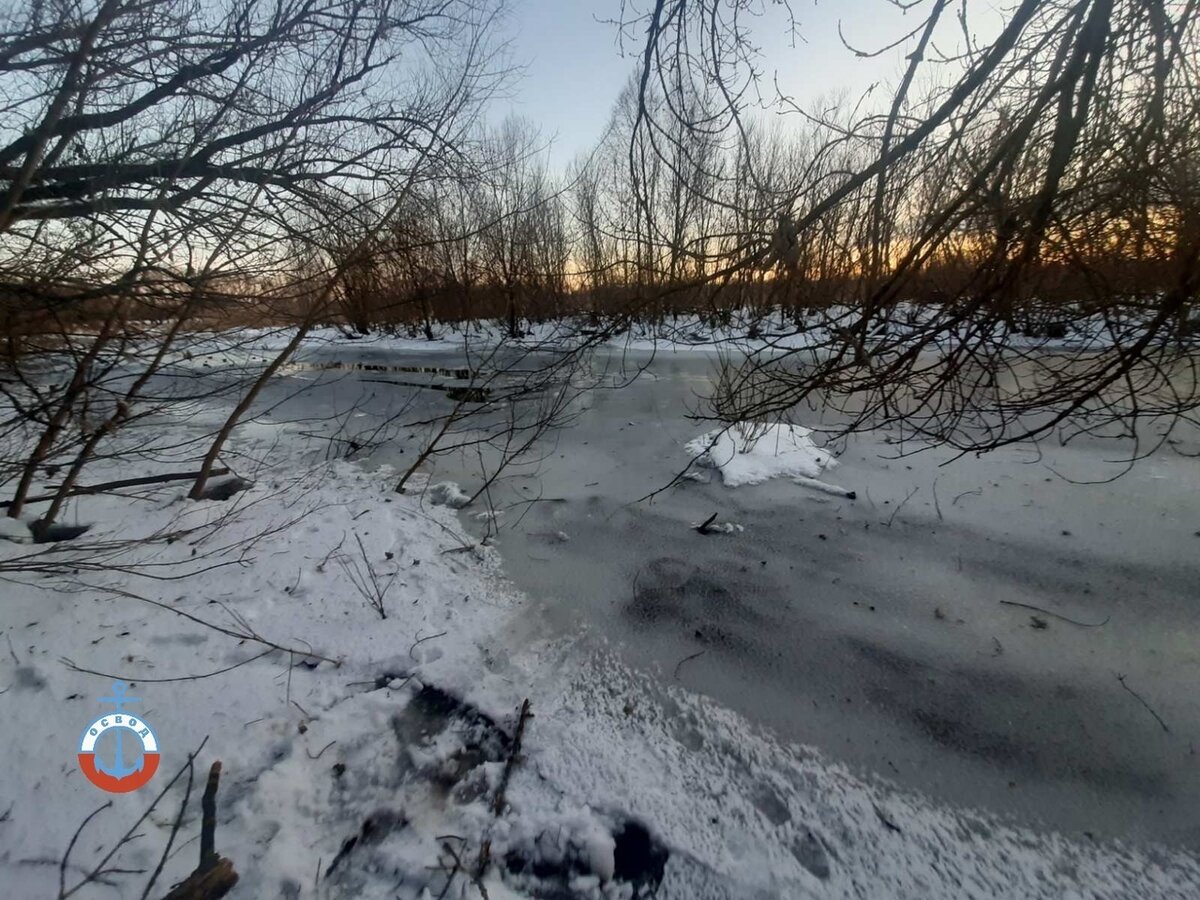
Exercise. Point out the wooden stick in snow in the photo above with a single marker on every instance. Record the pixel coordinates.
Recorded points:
(214, 877)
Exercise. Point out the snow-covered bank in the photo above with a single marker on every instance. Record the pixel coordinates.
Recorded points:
(737, 331)
(376, 776)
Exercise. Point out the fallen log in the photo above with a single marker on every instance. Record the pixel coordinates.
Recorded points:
(117, 485)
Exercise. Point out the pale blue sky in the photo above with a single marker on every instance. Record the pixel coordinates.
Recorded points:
(575, 70)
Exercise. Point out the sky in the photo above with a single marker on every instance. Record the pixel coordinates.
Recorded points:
(574, 70)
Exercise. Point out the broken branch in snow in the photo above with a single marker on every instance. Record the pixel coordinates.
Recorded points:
(208, 826)
(485, 849)
(214, 877)
(703, 526)
(825, 487)
(166, 853)
(100, 873)
(525, 716)
(1141, 700)
(1055, 615)
(114, 486)
(887, 820)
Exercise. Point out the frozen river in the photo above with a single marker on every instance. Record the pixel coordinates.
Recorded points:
(880, 630)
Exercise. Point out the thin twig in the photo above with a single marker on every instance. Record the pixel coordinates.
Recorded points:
(62, 864)
(139, 678)
(1056, 615)
(321, 752)
(453, 872)
(1138, 697)
(421, 641)
(896, 511)
(679, 664)
(247, 633)
(187, 795)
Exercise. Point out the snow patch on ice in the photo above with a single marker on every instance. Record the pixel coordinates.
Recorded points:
(720, 527)
(751, 453)
(448, 493)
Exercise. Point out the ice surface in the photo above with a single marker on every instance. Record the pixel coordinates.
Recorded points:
(319, 752)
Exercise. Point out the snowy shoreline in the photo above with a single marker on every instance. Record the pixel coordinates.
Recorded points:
(316, 754)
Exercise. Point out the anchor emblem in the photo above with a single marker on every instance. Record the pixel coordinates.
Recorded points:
(117, 776)
(119, 700)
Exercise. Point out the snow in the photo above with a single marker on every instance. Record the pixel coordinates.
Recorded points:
(344, 734)
(15, 530)
(751, 453)
(448, 493)
(719, 527)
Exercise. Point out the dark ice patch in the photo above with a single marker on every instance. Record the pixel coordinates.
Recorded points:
(225, 488)
(639, 862)
(768, 802)
(640, 858)
(432, 712)
(374, 829)
(29, 679)
(810, 851)
(52, 532)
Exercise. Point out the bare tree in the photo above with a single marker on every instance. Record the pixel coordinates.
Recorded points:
(1048, 173)
(520, 227)
(163, 162)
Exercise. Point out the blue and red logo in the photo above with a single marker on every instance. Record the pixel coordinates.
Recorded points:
(103, 741)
